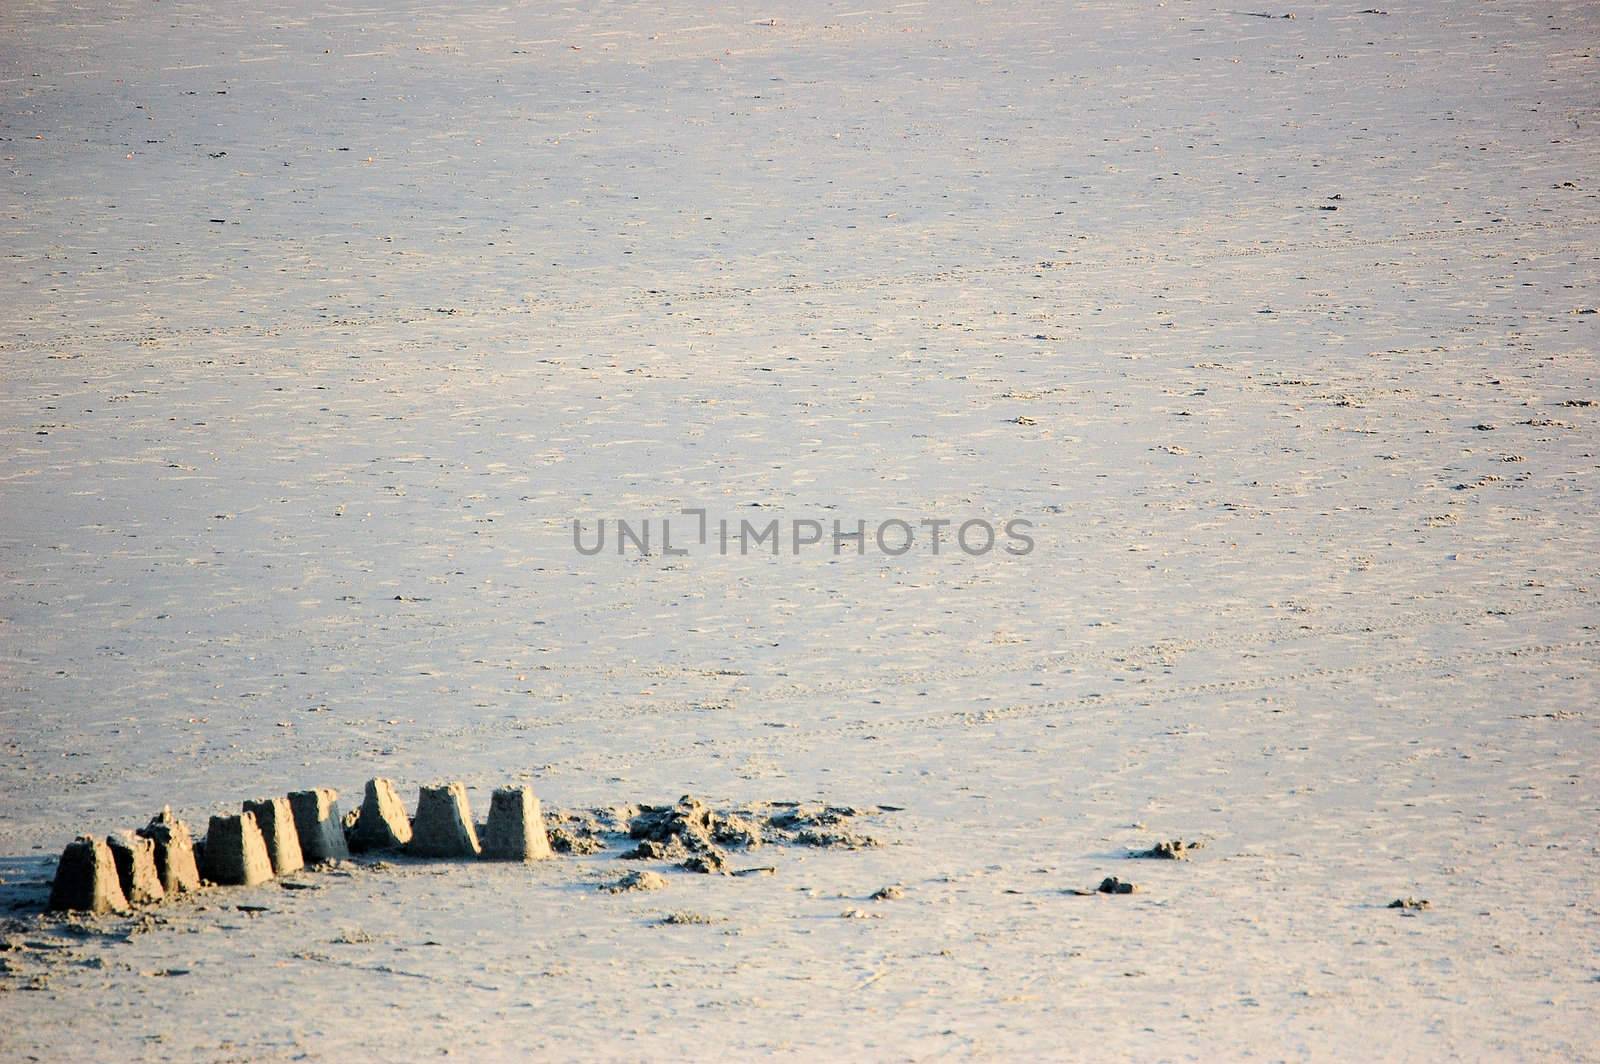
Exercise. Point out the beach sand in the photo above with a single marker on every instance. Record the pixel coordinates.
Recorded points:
(322, 323)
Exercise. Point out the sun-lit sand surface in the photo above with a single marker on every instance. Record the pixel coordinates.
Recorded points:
(321, 323)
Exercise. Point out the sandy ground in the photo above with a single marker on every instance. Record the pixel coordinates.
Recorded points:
(320, 323)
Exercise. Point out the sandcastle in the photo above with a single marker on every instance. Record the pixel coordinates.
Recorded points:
(443, 825)
(135, 858)
(516, 827)
(279, 835)
(86, 878)
(382, 823)
(174, 852)
(276, 821)
(316, 818)
(235, 852)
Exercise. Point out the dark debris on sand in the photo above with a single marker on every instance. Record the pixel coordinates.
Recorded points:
(697, 837)
(1174, 850)
(1108, 885)
(1410, 904)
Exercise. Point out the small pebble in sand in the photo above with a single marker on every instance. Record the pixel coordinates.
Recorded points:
(889, 893)
(634, 882)
(684, 917)
(1411, 904)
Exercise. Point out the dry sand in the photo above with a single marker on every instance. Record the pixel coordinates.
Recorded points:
(321, 322)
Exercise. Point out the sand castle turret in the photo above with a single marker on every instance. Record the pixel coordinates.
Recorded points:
(86, 879)
(275, 818)
(321, 828)
(135, 858)
(516, 827)
(235, 853)
(174, 852)
(443, 824)
(383, 824)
